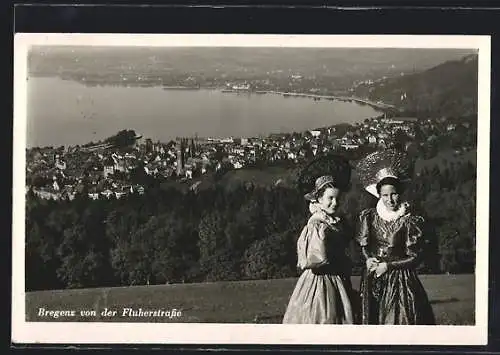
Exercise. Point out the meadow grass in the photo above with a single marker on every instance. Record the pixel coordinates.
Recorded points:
(260, 301)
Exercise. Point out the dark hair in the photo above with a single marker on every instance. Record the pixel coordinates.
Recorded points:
(390, 181)
(321, 191)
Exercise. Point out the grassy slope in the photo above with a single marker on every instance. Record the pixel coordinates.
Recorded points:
(261, 301)
(268, 176)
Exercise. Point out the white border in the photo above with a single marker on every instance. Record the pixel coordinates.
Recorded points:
(199, 333)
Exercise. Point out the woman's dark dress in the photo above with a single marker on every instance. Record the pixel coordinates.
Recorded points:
(397, 296)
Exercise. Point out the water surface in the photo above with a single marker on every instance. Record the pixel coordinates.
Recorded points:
(62, 112)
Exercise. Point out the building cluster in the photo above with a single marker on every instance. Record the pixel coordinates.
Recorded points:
(62, 173)
(102, 171)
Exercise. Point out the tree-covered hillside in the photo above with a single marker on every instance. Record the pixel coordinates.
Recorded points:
(449, 89)
(248, 232)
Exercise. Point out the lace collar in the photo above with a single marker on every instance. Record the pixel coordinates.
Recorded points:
(388, 215)
(317, 212)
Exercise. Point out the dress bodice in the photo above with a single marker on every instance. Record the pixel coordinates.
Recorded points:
(322, 244)
(389, 240)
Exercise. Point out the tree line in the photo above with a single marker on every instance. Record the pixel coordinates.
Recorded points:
(219, 233)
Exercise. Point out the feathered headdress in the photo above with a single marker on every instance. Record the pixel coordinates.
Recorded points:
(381, 164)
(326, 165)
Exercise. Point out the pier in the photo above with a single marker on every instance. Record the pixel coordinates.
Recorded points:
(377, 105)
(316, 97)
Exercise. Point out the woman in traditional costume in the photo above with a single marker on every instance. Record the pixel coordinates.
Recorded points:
(323, 291)
(391, 239)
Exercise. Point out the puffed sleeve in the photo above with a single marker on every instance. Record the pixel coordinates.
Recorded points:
(363, 228)
(363, 231)
(311, 248)
(414, 234)
(414, 237)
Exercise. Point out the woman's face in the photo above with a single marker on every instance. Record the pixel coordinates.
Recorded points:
(390, 197)
(329, 200)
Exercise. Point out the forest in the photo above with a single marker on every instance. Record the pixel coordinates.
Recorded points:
(241, 232)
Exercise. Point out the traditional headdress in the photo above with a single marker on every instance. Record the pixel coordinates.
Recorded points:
(329, 168)
(382, 164)
(321, 182)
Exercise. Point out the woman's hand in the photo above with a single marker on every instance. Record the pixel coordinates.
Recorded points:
(371, 264)
(380, 269)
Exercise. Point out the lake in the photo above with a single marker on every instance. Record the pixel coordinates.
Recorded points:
(62, 112)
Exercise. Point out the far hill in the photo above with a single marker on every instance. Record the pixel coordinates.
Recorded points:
(449, 89)
(341, 65)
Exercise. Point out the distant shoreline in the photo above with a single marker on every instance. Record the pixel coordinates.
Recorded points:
(380, 106)
(210, 92)
(376, 105)
(181, 87)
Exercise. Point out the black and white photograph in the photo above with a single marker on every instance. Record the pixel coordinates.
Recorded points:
(272, 189)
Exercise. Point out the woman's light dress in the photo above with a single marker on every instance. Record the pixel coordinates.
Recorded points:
(323, 291)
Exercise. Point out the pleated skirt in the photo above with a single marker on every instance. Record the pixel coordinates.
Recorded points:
(395, 298)
(319, 299)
